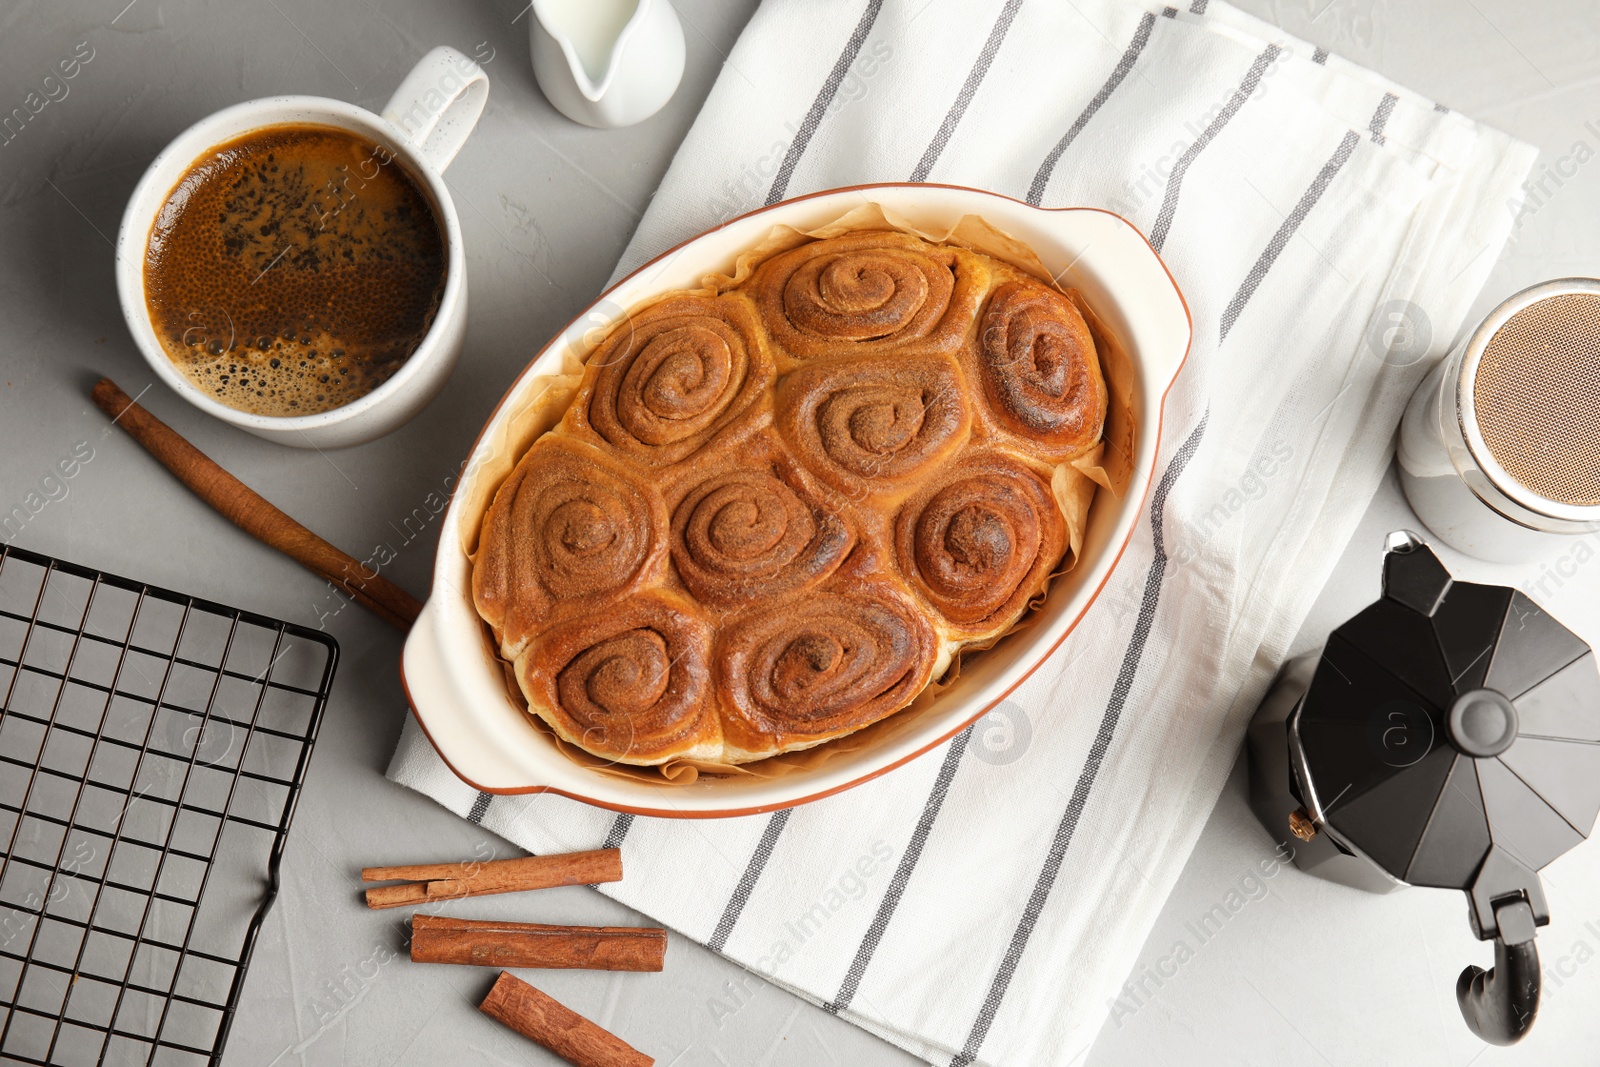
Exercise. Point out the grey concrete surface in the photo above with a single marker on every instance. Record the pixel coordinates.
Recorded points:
(547, 207)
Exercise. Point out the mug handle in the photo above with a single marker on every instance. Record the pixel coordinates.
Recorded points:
(439, 103)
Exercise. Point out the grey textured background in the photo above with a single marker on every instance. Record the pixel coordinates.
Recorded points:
(547, 207)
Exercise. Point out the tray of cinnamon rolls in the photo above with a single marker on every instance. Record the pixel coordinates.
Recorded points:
(797, 501)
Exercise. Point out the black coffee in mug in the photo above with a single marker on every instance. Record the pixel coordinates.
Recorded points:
(294, 269)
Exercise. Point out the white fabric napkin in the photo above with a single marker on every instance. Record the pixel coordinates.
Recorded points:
(985, 903)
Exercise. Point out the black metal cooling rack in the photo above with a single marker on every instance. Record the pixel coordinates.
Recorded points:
(152, 749)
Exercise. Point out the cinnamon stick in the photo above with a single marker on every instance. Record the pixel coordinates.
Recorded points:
(249, 511)
(558, 1028)
(441, 939)
(447, 881)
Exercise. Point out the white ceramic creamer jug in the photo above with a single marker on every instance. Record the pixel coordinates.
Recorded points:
(606, 63)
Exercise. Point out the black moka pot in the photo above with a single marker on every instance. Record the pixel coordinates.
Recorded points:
(1446, 736)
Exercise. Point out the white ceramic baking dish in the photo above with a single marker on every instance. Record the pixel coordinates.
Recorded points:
(456, 686)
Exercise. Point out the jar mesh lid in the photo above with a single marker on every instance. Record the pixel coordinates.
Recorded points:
(1536, 398)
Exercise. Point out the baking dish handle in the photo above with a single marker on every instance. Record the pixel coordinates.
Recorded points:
(435, 689)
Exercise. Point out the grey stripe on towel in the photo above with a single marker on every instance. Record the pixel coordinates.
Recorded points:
(1291, 223)
(1141, 37)
(480, 807)
(952, 118)
(1097, 753)
(1169, 202)
(1380, 118)
(619, 830)
(819, 106)
(902, 874)
(747, 881)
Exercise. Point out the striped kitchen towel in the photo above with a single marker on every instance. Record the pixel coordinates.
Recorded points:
(984, 904)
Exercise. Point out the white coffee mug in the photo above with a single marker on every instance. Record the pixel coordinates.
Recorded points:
(424, 126)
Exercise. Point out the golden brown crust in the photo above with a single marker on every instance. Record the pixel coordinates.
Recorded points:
(821, 664)
(769, 517)
(571, 528)
(869, 426)
(979, 539)
(1040, 373)
(673, 376)
(866, 293)
(629, 682)
(749, 524)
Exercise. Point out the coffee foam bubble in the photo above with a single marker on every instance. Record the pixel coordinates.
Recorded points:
(294, 270)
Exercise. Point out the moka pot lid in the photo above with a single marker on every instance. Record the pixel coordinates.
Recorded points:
(1451, 734)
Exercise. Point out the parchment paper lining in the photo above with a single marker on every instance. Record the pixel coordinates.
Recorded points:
(1107, 465)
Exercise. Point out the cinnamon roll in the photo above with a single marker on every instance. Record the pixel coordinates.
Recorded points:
(867, 425)
(769, 516)
(1040, 371)
(821, 664)
(753, 528)
(628, 683)
(867, 292)
(980, 539)
(675, 375)
(571, 526)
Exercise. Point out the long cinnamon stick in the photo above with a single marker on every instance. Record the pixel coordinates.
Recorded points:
(558, 1028)
(447, 881)
(249, 511)
(441, 939)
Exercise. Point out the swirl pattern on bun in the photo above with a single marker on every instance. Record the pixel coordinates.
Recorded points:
(629, 680)
(754, 529)
(980, 539)
(571, 527)
(865, 425)
(777, 507)
(1039, 368)
(865, 293)
(675, 375)
(822, 663)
